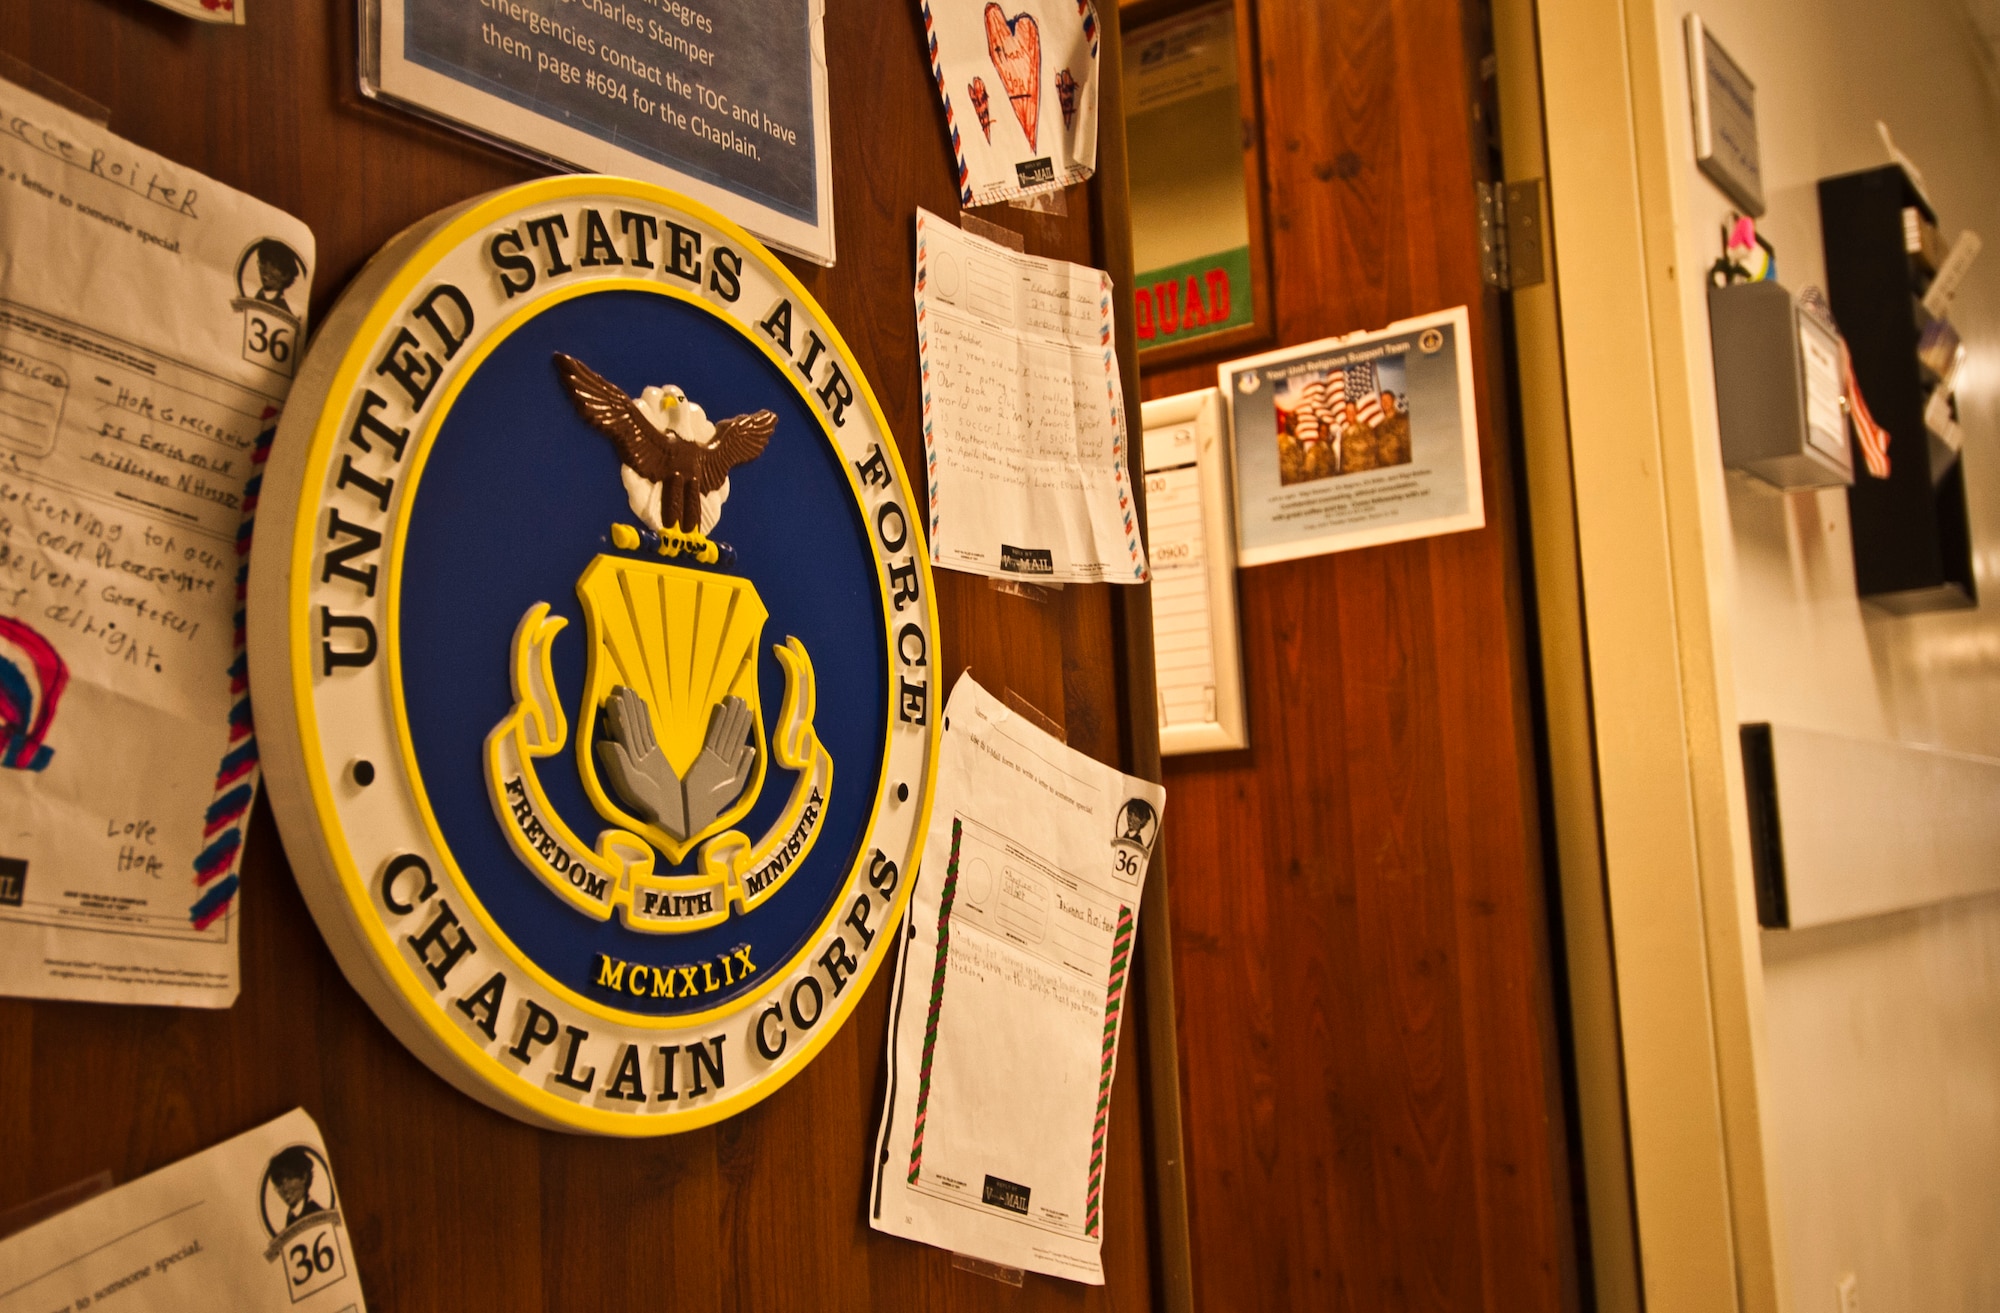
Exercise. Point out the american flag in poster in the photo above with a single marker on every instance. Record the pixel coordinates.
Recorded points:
(1321, 407)
(1305, 419)
(1364, 387)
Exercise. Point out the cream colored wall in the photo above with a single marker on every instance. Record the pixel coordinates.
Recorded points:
(1881, 1082)
(1825, 71)
(1885, 1074)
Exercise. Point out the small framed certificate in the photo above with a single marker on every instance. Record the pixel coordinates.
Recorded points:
(1725, 119)
(1355, 441)
(724, 103)
(1197, 659)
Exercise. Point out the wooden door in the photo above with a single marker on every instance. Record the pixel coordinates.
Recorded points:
(1361, 946)
(453, 1206)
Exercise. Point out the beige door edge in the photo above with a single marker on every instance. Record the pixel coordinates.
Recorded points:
(1651, 840)
(1586, 926)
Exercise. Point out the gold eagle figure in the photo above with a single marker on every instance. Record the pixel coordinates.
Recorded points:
(676, 463)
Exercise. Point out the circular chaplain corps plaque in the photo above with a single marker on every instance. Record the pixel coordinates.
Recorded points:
(591, 639)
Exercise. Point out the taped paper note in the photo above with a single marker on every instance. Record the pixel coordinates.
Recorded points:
(150, 319)
(253, 1225)
(1010, 994)
(1024, 414)
(1019, 85)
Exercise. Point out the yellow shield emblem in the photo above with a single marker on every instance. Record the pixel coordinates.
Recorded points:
(672, 668)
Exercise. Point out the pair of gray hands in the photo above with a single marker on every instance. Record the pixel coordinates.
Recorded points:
(639, 774)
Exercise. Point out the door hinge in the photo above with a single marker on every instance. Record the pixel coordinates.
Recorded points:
(1511, 237)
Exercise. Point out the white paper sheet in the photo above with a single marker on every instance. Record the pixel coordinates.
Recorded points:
(1024, 419)
(1010, 994)
(1019, 85)
(149, 321)
(252, 1224)
(1183, 629)
(1197, 663)
(1183, 639)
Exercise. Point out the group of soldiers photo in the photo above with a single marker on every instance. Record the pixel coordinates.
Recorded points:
(1341, 421)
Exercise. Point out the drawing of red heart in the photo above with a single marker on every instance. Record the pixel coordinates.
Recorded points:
(1016, 47)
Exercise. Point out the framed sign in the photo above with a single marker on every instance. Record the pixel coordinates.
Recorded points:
(1725, 119)
(590, 638)
(725, 103)
(1354, 441)
(1203, 282)
(1198, 661)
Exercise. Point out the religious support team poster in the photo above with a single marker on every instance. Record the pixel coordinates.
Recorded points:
(1355, 441)
(724, 102)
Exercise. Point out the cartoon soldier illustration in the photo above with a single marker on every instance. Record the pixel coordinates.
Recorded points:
(278, 267)
(291, 1174)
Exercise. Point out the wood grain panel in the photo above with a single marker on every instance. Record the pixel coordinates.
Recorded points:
(1361, 941)
(453, 1206)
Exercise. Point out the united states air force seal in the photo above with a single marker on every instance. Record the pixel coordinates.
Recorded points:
(591, 651)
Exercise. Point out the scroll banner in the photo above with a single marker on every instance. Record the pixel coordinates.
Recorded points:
(617, 874)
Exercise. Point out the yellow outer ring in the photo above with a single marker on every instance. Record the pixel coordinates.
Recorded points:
(472, 1057)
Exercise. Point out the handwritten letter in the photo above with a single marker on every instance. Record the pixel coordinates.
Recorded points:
(1024, 417)
(150, 320)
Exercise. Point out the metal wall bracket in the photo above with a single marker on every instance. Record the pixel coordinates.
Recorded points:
(1511, 238)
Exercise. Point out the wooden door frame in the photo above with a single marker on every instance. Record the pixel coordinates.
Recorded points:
(1132, 621)
(1666, 979)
